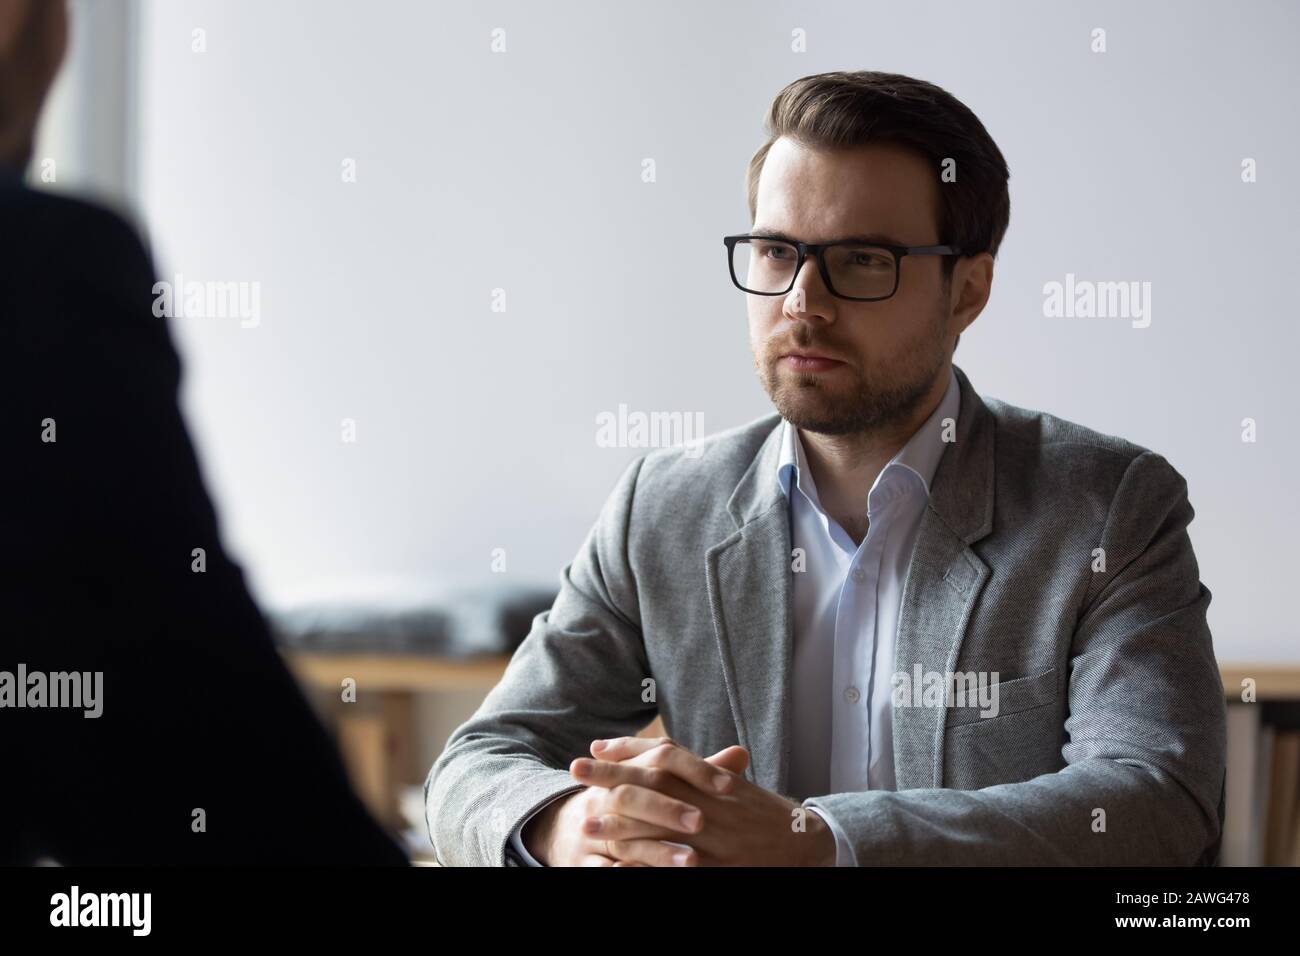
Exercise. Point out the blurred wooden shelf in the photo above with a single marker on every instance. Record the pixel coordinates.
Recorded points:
(376, 734)
(419, 673)
(398, 672)
(1272, 681)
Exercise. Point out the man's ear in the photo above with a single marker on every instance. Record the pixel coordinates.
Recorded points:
(970, 291)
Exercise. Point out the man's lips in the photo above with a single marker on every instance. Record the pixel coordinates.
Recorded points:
(809, 361)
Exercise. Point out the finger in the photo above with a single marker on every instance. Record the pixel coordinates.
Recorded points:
(668, 757)
(615, 826)
(621, 748)
(595, 859)
(671, 774)
(734, 758)
(651, 853)
(650, 806)
(690, 768)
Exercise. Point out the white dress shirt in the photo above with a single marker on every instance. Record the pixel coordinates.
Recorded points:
(846, 603)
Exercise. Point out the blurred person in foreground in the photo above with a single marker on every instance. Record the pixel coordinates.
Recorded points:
(195, 744)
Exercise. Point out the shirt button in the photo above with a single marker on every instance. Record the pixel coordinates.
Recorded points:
(859, 575)
(852, 695)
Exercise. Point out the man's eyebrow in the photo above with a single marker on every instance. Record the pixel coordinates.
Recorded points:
(873, 238)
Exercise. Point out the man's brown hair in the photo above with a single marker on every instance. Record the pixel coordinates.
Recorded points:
(842, 109)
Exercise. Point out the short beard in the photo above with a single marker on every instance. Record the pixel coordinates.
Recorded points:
(810, 403)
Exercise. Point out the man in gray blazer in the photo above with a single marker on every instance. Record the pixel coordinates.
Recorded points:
(893, 623)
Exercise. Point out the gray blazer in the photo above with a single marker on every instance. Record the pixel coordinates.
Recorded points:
(1109, 742)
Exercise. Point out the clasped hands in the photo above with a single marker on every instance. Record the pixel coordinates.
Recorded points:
(650, 802)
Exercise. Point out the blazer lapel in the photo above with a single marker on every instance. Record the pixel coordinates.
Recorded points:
(943, 582)
(749, 583)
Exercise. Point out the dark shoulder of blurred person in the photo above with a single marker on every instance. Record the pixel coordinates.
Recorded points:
(102, 508)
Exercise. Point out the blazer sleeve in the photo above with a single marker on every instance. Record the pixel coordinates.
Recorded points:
(1146, 751)
(577, 676)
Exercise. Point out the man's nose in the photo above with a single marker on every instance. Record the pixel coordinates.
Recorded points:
(809, 299)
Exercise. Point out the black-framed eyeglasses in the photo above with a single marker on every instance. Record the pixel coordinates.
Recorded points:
(859, 271)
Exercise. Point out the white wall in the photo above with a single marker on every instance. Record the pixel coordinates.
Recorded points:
(477, 171)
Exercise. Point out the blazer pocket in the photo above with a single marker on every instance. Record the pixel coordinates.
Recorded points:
(1007, 697)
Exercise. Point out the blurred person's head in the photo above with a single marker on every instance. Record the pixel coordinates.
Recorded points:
(865, 154)
(33, 37)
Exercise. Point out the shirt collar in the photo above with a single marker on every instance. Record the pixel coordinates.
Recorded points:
(919, 457)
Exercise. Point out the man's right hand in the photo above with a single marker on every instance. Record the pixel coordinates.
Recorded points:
(555, 837)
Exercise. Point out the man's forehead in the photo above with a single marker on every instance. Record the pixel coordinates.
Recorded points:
(820, 195)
